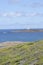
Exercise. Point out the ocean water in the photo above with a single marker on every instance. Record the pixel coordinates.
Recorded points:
(8, 35)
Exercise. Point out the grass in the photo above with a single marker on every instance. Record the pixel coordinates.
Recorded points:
(30, 53)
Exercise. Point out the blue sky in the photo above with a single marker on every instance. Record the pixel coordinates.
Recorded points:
(18, 14)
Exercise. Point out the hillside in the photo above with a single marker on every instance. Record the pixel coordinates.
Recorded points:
(29, 53)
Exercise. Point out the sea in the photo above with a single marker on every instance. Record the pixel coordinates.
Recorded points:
(8, 35)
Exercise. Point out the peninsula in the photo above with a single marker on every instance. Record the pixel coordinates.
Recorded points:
(28, 30)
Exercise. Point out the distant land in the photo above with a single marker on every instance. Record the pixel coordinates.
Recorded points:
(20, 30)
(27, 30)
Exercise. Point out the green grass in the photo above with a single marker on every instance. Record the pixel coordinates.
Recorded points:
(22, 54)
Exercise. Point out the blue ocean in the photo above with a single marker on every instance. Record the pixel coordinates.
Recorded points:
(8, 35)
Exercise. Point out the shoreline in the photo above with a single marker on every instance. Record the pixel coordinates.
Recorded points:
(13, 43)
(28, 30)
(21, 30)
(10, 44)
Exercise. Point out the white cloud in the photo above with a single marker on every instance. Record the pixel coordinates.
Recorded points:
(20, 14)
(11, 14)
(4, 14)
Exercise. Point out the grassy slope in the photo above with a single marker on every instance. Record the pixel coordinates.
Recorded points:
(22, 54)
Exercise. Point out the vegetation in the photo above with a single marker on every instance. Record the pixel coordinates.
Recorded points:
(22, 54)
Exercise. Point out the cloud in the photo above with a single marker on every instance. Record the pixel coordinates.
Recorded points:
(34, 4)
(37, 4)
(13, 1)
(20, 14)
(11, 14)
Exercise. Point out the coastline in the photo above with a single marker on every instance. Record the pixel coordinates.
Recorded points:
(9, 44)
(28, 30)
(13, 43)
(20, 30)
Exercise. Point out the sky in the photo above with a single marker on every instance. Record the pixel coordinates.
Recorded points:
(21, 14)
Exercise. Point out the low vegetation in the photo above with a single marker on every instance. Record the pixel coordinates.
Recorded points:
(22, 54)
